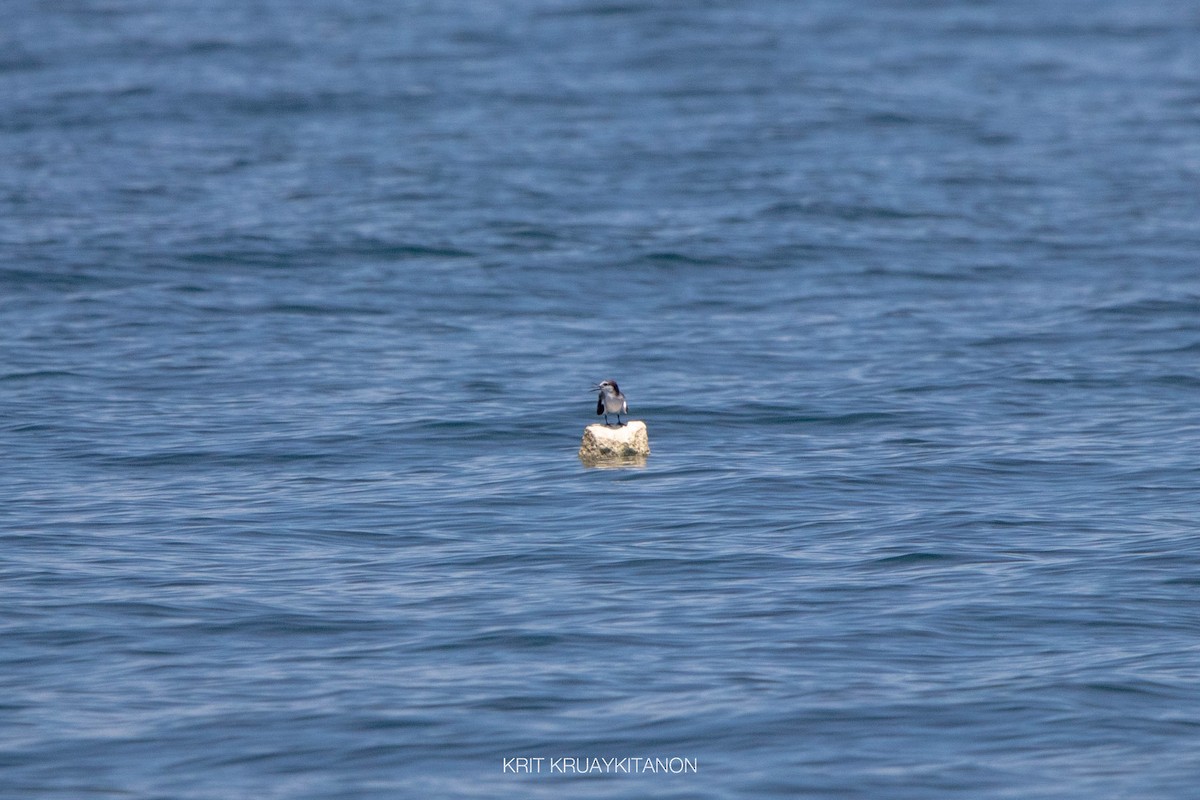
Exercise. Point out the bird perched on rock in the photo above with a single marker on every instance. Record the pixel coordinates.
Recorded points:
(610, 401)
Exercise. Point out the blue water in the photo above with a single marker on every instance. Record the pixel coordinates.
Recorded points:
(299, 308)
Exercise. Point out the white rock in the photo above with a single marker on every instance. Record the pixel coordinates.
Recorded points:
(604, 442)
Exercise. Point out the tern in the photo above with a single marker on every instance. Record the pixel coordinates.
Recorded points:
(610, 401)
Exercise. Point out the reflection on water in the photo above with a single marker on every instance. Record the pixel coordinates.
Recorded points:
(614, 462)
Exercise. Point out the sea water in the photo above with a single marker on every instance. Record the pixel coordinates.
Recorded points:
(300, 304)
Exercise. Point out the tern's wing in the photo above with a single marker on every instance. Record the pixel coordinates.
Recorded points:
(600, 405)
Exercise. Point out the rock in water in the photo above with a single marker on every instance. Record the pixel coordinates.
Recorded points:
(601, 442)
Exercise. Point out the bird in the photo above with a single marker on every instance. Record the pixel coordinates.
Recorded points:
(610, 401)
